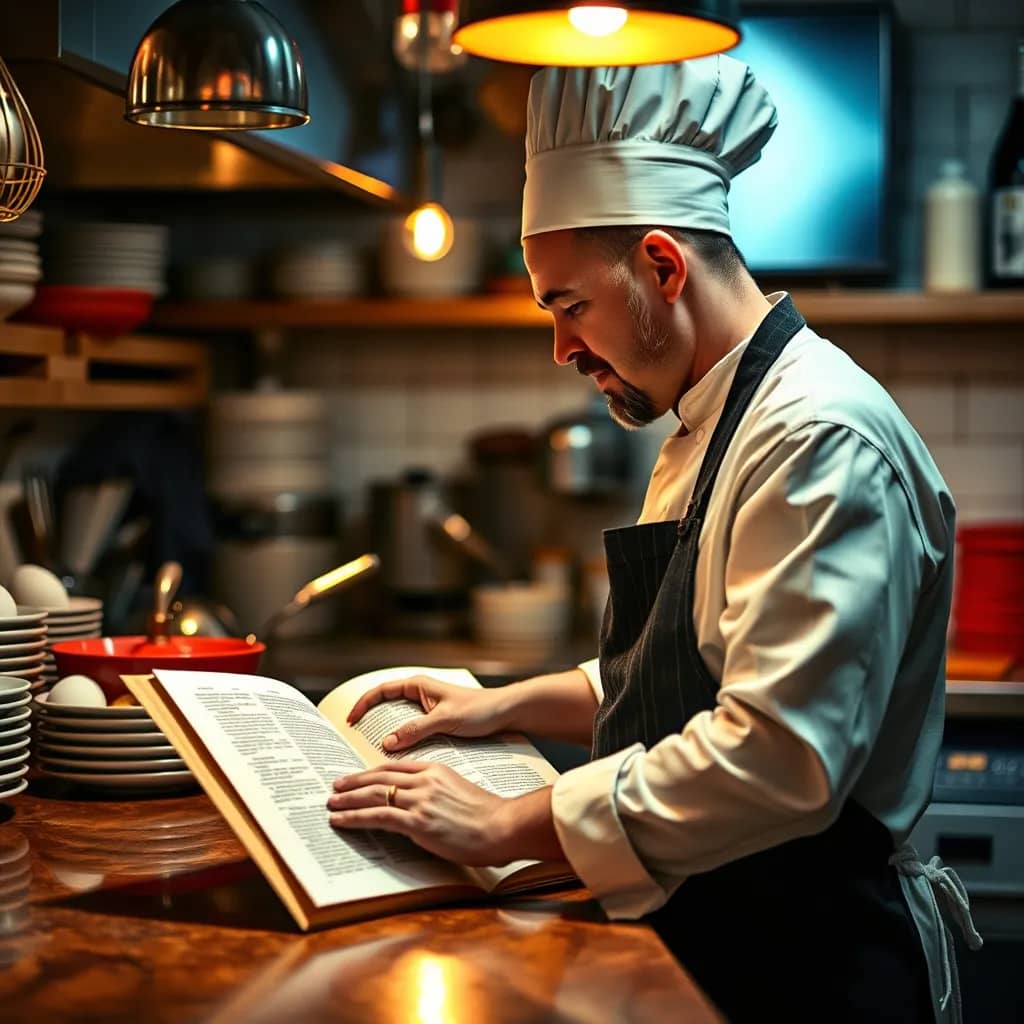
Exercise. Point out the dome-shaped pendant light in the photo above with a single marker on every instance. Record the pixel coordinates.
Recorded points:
(597, 33)
(220, 65)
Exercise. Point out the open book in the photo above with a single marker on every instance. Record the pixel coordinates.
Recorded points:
(268, 757)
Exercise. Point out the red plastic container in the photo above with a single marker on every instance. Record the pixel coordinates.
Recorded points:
(107, 658)
(105, 311)
(990, 589)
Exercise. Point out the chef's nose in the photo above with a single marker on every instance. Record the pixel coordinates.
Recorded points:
(568, 344)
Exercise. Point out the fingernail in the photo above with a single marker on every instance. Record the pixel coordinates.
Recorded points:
(390, 742)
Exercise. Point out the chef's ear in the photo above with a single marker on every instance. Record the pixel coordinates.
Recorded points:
(662, 255)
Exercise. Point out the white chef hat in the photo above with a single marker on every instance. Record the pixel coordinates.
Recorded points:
(656, 144)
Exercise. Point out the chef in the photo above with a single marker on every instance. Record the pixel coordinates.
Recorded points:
(766, 711)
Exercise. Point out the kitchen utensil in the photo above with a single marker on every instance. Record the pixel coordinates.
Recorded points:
(165, 587)
(457, 529)
(331, 582)
(416, 563)
(586, 453)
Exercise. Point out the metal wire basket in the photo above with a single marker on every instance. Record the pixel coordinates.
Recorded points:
(21, 151)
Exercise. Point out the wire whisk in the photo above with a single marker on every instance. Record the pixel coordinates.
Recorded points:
(21, 151)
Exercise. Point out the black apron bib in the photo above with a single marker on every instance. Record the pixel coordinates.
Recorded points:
(815, 929)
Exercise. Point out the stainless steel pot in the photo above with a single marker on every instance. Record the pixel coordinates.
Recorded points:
(586, 453)
(417, 559)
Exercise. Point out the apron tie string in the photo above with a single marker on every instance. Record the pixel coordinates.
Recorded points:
(946, 881)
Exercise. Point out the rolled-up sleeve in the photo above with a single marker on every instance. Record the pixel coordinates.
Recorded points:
(592, 670)
(822, 567)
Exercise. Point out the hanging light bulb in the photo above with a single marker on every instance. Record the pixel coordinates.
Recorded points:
(597, 21)
(428, 232)
(439, 18)
(595, 33)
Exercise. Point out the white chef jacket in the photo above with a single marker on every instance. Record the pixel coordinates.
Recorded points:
(821, 604)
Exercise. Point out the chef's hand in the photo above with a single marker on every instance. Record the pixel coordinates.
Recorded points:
(432, 805)
(451, 710)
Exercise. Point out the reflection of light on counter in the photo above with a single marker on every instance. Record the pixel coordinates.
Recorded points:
(433, 992)
(597, 21)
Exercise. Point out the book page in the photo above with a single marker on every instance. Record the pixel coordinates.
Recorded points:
(506, 764)
(282, 757)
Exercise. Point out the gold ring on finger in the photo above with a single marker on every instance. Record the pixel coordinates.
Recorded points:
(389, 796)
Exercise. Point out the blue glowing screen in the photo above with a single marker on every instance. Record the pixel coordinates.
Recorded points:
(816, 199)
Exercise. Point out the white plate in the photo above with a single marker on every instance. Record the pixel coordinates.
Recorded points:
(8, 707)
(10, 721)
(133, 780)
(10, 650)
(111, 753)
(10, 735)
(14, 790)
(14, 746)
(7, 777)
(24, 619)
(17, 635)
(77, 606)
(8, 761)
(76, 710)
(119, 739)
(9, 666)
(97, 726)
(11, 687)
(160, 764)
(81, 631)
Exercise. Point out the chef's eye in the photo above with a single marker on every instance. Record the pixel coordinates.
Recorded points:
(574, 310)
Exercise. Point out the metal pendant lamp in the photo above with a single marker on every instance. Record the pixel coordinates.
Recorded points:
(597, 33)
(219, 65)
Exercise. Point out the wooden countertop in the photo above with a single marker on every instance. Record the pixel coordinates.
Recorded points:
(149, 910)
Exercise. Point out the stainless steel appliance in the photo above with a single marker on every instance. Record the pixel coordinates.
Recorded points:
(976, 825)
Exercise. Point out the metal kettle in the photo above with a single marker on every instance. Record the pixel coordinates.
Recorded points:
(586, 453)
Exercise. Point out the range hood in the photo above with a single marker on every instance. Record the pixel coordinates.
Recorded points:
(77, 102)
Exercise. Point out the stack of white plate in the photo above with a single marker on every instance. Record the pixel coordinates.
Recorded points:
(108, 748)
(81, 620)
(132, 256)
(14, 735)
(20, 267)
(23, 647)
(324, 270)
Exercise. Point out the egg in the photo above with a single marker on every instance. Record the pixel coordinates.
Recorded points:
(38, 588)
(8, 606)
(77, 691)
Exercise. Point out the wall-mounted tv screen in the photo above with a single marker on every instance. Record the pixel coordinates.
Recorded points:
(816, 203)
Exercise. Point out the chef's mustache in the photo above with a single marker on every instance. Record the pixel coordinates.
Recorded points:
(586, 364)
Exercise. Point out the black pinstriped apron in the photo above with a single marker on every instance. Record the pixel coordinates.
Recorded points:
(815, 929)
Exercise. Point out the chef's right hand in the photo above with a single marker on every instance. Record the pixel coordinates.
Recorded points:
(450, 710)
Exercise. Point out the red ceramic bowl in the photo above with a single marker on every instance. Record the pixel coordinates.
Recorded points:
(107, 658)
(106, 311)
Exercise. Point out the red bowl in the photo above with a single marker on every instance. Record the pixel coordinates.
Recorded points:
(106, 311)
(107, 658)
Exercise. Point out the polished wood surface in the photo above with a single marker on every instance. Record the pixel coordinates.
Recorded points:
(148, 910)
(821, 307)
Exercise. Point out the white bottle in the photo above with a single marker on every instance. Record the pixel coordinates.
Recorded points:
(952, 232)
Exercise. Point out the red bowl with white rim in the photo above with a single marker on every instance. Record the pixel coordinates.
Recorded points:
(107, 658)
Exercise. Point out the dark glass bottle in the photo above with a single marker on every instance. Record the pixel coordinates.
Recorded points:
(1005, 257)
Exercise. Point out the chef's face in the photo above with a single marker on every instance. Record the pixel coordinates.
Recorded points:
(606, 324)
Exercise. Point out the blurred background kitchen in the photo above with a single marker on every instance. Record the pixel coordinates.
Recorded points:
(225, 349)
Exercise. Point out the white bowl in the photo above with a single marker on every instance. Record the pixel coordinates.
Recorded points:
(527, 615)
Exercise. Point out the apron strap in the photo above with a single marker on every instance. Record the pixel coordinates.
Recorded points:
(944, 880)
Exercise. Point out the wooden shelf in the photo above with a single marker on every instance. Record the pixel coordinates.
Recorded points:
(42, 367)
(850, 307)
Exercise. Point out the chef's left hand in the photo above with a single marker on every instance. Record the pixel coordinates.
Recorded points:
(431, 804)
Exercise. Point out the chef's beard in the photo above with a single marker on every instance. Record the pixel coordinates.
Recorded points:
(631, 407)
